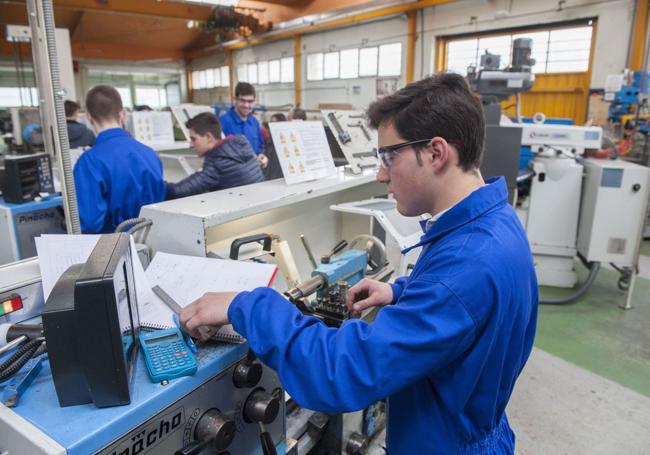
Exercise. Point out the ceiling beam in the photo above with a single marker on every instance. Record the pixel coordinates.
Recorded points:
(317, 27)
(11, 13)
(76, 28)
(151, 8)
(103, 51)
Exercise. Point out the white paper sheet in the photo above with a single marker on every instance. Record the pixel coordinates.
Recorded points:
(303, 150)
(58, 252)
(186, 278)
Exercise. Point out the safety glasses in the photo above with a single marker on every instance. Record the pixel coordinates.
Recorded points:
(386, 155)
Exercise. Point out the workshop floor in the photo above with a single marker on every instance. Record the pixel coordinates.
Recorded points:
(586, 388)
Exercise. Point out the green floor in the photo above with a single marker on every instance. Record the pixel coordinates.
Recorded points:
(596, 334)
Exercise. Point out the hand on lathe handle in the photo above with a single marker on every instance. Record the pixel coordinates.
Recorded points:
(211, 310)
(368, 293)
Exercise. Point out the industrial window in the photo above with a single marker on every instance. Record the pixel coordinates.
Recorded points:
(555, 50)
(11, 97)
(154, 97)
(173, 92)
(350, 63)
(252, 73)
(315, 67)
(368, 61)
(286, 69)
(203, 81)
(125, 94)
(331, 65)
(390, 59)
(195, 80)
(263, 73)
(274, 71)
(225, 76)
(242, 73)
(216, 77)
(209, 78)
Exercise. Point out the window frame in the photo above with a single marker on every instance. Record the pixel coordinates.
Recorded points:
(441, 61)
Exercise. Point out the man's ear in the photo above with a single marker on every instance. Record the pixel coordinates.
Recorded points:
(92, 121)
(122, 117)
(439, 153)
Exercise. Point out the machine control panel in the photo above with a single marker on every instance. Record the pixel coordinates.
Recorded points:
(26, 176)
(44, 166)
(215, 418)
(22, 299)
(12, 303)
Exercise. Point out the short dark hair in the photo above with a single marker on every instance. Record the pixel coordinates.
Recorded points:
(71, 108)
(441, 105)
(204, 123)
(278, 117)
(244, 88)
(299, 114)
(103, 103)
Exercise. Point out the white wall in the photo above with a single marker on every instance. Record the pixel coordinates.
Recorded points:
(612, 32)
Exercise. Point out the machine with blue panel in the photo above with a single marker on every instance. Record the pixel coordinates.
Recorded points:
(20, 223)
(231, 405)
(628, 99)
(337, 272)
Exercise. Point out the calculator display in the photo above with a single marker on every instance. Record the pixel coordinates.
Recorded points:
(161, 339)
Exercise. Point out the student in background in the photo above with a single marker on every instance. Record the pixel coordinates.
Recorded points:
(118, 175)
(297, 114)
(240, 120)
(227, 162)
(273, 170)
(78, 134)
(278, 117)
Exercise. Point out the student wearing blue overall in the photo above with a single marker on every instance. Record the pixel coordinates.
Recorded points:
(118, 175)
(240, 120)
(451, 338)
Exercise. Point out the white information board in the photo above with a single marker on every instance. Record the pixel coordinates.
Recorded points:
(302, 150)
(151, 128)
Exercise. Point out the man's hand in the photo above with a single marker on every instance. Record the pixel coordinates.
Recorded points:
(211, 310)
(368, 293)
(263, 160)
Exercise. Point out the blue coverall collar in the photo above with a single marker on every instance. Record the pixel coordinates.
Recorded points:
(107, 134)
(236, 116)
(473, 206)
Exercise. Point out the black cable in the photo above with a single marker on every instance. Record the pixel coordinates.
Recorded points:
(19, 358)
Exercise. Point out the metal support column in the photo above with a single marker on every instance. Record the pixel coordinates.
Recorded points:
(51, 97)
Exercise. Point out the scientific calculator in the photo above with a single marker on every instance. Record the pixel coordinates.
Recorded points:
(167, 355)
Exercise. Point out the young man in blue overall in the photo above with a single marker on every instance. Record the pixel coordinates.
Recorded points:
(240, 120)
(118, 175)
(451, 338)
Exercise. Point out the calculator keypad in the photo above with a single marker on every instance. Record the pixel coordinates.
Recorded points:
(168, 359)
(169, 355)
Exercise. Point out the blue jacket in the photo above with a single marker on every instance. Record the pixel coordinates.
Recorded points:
(446, 353)
(79, 135)
(231, 123)
(114, 179)
(231, 163)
